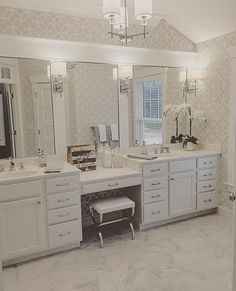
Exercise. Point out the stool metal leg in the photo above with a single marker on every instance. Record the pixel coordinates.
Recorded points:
(132, 229)
(101, 239)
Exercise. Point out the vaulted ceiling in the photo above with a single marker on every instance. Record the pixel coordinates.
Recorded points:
(199, 20)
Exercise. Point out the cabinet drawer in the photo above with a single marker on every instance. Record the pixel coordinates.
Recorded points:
(62, 184)
(206, 174)
(184, 165)
(155, 212)
(207, 162)
(110, 185)
(206, 186)
(156, 169)
(64, 233)
(155, 183)
(63, 200)
(207, 200)
(20, 190)
(155, 196)
(64, 214)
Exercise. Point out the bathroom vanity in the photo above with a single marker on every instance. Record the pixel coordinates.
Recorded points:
(39, 213)
(177, 185)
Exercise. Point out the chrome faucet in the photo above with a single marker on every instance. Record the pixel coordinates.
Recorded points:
(162, 149)
(12, 165)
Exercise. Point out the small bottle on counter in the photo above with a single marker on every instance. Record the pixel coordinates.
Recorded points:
(42, 159)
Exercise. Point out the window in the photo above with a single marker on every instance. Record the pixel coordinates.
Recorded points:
(148, 117)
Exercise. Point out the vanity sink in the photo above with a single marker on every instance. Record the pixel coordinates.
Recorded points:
(17, 174)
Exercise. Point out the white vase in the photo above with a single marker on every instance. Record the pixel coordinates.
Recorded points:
(190, 146)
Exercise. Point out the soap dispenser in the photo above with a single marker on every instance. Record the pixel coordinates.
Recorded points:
(42, 159)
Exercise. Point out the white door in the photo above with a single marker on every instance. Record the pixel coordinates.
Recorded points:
(43, 112)
(182, 193)
(21, 228)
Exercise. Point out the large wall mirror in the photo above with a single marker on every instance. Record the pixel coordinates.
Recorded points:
(91, 104)
(151, 91)
(26, 108)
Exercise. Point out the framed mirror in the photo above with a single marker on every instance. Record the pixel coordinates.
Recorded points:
(26, 108)
(151, 91)
(91, 103)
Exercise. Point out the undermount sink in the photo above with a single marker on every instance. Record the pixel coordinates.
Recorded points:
(17, 174)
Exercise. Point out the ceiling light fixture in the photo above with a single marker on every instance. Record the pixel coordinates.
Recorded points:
(118, 18)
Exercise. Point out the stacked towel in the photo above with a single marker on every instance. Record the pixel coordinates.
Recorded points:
(114, 132)
(102, 133)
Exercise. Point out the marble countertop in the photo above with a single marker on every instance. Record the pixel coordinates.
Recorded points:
(34, 171)
(105, 173)
(175, 155)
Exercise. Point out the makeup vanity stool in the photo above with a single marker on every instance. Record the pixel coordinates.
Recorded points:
(109, 205)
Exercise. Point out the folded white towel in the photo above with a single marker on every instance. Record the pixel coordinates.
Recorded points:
(102, 132)
(114, 132)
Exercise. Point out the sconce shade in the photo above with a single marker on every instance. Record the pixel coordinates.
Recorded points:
(182, 76)
(143, 9)
(120, 23)
(49, 71)
(125, 72)
(111, 8)
(58, 69)
(115, 74)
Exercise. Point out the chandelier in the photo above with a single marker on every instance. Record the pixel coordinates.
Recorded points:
(118, 18)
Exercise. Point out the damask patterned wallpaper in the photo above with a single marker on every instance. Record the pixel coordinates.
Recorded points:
(214, 98)
(213, 95)
(92, 100)
(56, 26)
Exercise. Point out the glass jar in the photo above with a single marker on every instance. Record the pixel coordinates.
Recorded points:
(107, 157)
(117, 158)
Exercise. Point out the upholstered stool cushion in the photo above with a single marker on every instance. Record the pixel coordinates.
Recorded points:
(112, 204)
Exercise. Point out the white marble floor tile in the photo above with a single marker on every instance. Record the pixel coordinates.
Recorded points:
(193, 255)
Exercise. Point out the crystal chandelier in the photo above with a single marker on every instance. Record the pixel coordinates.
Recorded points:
(118, 18)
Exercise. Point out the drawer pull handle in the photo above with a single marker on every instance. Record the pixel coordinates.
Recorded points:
(63, 185)
(63, 200)
(172, 179)
(157, 212)
(155, 170)
(205, 175)
(209, 186)
(65, 234)
(63, 215)
(206, 163)
(156, 196)
(38, 202)
(113, 185)
(156, 184)
(206, 201)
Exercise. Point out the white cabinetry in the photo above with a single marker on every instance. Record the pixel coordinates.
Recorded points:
(182, 193)
(39, 216)
(64, 211)
(21, 227)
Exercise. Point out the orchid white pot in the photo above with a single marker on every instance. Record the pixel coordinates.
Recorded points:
(190, 146)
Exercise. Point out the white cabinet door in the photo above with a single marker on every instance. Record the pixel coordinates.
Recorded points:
(21, 228)
(182, 194)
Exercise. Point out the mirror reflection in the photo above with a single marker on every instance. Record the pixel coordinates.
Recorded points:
(92, 104)
(26, 114)
(151, 91)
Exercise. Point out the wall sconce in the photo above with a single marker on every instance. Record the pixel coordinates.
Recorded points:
(125, 74)
(58, 73)
(191, 79)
